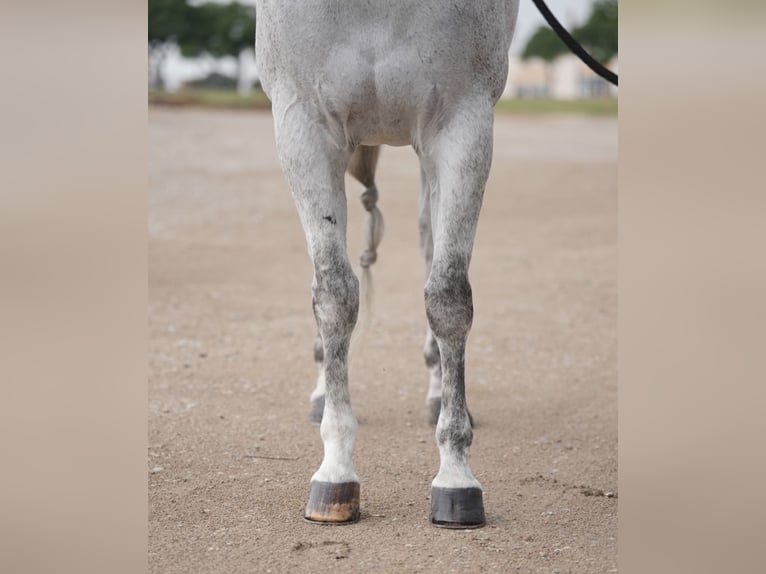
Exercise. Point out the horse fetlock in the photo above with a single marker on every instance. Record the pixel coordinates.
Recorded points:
(455, 435)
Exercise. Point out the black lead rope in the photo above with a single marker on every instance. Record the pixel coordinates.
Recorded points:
(573, 45)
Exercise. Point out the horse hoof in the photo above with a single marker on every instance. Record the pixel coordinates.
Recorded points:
(333, 503)
(457, 507)
(435, 407)
(317, 410)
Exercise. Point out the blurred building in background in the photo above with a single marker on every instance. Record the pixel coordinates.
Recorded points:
(565, 78)
(181, 72)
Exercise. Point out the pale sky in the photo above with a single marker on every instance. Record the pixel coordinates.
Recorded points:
(571, 13)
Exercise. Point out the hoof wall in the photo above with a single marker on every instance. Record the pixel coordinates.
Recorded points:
(333, 503)
(457, 508)
(317, 410)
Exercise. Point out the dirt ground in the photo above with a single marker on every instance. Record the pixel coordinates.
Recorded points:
(231, 451)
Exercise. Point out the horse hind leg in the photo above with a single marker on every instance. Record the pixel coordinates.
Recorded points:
(314, 169)
(460, 156)
(361, 166)
(431, 352)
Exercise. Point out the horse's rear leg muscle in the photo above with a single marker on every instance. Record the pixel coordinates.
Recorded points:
(314, 166)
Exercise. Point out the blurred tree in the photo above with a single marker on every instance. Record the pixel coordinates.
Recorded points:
(214, 29)
(599, 34)
(544, 44)
(167, 22)
(219, 30)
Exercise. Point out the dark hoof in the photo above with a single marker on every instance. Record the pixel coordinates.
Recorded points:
(435, 407)
(317, 410)
(333, 503)
(457, 507)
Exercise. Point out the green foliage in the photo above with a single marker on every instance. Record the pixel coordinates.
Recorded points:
(544, 44)
(167, 20)
(215, 29)
(598, 36)
(546, 106)
(218, 30)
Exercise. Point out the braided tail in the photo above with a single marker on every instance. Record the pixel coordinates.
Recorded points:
(373, 233)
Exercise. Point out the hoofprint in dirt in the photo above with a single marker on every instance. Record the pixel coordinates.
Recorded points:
(231, 366)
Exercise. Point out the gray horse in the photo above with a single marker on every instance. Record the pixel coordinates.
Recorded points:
(345, 77)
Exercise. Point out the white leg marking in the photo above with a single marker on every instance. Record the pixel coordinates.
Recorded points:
(338, 432)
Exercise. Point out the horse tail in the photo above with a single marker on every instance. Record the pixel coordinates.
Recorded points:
(362, 166)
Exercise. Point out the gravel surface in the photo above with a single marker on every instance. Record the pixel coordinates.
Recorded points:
(231, 451)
